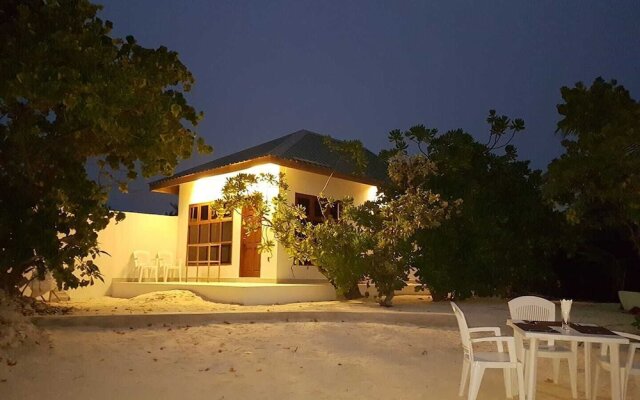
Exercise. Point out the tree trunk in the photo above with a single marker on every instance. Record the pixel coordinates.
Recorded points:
(353, 292)
(386, 299)
(438, 296)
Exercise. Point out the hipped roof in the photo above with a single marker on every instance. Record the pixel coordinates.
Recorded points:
(303, 150)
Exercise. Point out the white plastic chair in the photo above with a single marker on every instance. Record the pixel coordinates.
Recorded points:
(168, 263)
(474, 363)
(534, 308)
(628, 367)
(143, 262)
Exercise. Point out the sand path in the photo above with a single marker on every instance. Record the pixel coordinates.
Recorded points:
(297, 360)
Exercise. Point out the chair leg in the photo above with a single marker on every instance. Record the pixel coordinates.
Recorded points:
(624, 378)
(573, 372)
(520, 375)
(526, 367)
(474, 383)
(465, 376)
(507, 382)
(596, 376)
(556, 370)
(514, 383)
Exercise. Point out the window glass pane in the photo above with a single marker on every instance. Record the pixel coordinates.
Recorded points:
(214, 253)
(215, 232)
(202, 253)
(227, 228)
(225, 254)
(193, 213)
(204, 213)
(192, 253)
(193, 234)
(204, 233)
(335, 210)
(317, 212)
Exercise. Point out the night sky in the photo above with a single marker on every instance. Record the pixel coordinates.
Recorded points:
(358, 69)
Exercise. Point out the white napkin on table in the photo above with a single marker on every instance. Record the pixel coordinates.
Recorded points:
(565, 309)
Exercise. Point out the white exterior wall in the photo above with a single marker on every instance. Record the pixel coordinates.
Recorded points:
(311, 183)
(209, 189)
(277, 266)
(137, 231)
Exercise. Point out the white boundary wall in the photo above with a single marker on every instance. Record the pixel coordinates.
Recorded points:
(137, 231)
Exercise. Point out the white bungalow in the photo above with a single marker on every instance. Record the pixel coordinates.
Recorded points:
(217, 260)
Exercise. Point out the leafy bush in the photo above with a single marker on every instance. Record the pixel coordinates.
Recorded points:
(373, 240)
(498, 243)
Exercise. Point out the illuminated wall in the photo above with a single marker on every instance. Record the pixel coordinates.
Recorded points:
(209, 189)
(311, 183)
(278, 266)
(155, 233)
(137, 231)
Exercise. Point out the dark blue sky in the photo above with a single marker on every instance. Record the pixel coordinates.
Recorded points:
(358, 69)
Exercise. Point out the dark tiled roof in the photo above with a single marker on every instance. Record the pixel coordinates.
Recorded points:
(302, 146)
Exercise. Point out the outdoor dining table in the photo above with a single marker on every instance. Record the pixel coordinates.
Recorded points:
(533, 331)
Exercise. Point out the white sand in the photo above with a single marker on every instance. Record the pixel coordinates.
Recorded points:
(301, 360)
(176, 301)
(16, 330)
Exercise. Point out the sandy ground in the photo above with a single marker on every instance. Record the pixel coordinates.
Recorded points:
(310, 360)
(479, 312)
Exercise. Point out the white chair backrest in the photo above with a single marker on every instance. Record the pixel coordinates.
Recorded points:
(166, 258)
(464, 331)
(532, 308)
(141, 258)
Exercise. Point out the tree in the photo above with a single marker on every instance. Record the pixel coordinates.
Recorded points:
(372, 240)
(394, 220)
(330, 246)
(497, 244)
(71, 95)
(596, 182)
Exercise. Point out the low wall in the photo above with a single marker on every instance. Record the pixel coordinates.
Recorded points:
(235, 293)
(137, 231)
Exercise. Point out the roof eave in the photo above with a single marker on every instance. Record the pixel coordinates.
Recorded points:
(172, 185)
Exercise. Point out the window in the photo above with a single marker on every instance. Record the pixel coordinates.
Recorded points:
(209, 237)
(313, 208)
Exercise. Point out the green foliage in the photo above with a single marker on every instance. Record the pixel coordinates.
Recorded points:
(72, 94)
(498, 244)
(596, 182)
(283, 219)
(284, 222)
(352, 150)
(391, 222)
(636, 323)
(339, 250)
(372, 240)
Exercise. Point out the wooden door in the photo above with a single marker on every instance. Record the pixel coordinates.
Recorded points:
(249, 255)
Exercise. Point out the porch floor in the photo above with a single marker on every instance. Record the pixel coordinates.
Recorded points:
(245, 293)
